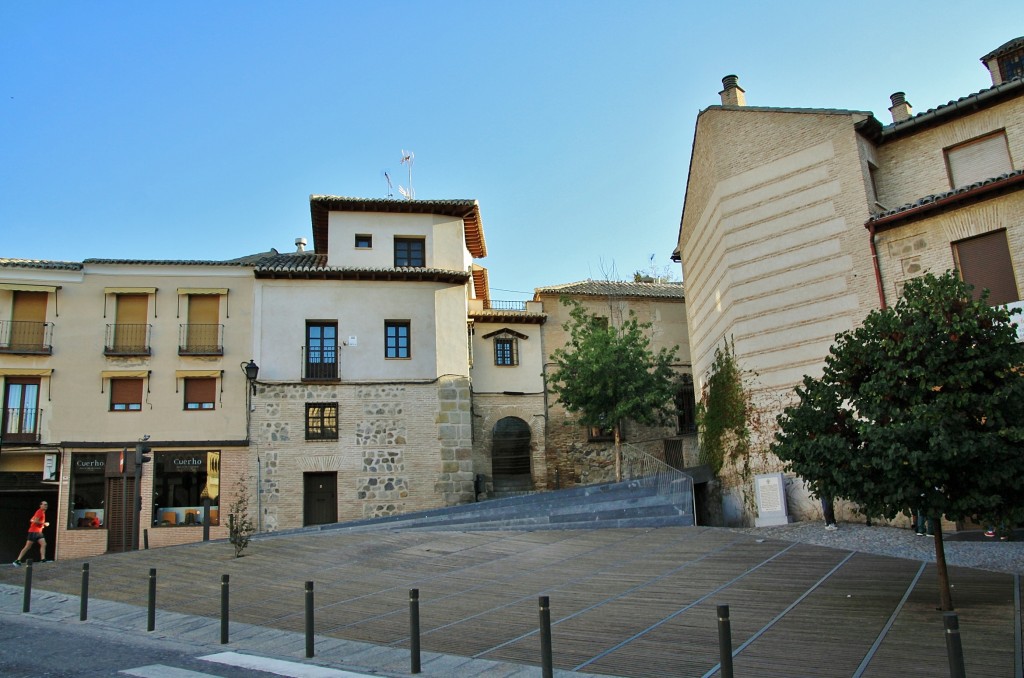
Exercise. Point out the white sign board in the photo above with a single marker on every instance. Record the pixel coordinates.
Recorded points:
(50, 467)
(771, 500)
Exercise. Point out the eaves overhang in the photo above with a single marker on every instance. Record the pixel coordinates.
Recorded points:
(406, 274)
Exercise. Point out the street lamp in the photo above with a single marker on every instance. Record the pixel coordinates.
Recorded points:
(251, 370)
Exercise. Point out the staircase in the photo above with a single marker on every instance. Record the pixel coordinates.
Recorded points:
(631, 503)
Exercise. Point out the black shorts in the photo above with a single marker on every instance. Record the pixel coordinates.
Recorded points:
(35, 536)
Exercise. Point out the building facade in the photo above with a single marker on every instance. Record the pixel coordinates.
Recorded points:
(798, 222)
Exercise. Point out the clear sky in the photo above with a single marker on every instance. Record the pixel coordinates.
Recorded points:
(197, 130)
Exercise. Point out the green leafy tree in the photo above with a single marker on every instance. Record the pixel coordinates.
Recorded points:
(607, 373)
(919, 409)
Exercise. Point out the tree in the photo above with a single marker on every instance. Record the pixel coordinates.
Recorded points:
(919, 409)
(608, 373)
(240, 526)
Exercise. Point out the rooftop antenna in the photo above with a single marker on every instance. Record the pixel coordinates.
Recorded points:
(407, 159)
(391, 190)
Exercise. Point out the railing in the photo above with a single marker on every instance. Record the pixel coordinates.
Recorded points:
(668, 482)
(21, 425)
(125, 339)
(494, 305)
(319, 362)
(200, 339)
(26, 336)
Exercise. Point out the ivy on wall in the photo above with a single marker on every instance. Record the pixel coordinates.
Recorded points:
(722, 413)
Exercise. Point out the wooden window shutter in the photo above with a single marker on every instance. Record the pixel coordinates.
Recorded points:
(977, 160)
(985, 263)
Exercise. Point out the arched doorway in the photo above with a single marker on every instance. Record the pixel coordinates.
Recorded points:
(510, 455)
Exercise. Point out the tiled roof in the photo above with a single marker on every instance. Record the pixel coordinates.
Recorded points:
(504, 316)
(970, 193)
(606, 288)
(467, 210)
(1015, 44)
(166, 262)
(967, 104)
(41, 263)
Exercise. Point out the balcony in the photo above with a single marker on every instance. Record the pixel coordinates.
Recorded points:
(127, 340)
(200, 339)
(26, 337)
(319, 363)
(21, 425)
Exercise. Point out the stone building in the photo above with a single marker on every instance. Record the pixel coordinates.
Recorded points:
(797, 222)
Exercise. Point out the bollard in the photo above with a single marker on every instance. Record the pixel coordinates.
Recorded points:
(145, 538)
(26, 606)
(151, 612)
(224, 609)
(414, 630)
(206, 519)
(724, 641)
(547, 666)
(954, 650)
(83, 611)
(309, 619)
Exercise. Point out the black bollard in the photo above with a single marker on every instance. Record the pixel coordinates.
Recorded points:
(151, 612)
(414, 630)
(26, 605)
(224, 609)
(546, 663)
(954, 650)
(206, 519)
(145, 538)
(83, 611)
(309, 619)
(724, 641)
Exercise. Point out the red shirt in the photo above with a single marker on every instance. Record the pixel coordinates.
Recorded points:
(38, 520)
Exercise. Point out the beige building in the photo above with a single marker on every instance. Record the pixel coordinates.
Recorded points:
(798, 222)
(94, 356)
(583, 455)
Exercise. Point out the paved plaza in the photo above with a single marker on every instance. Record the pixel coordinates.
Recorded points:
(624, 602)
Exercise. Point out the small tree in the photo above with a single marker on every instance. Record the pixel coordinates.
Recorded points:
(921, 409)
(606, 374)
(240, 526)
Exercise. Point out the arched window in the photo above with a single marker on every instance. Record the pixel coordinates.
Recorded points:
(510, 452)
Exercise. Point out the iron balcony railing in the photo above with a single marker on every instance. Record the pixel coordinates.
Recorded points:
(668, 482)
(21, 425)
(494, 305)
(196, 339)
(26, 336)
(319, 362)
(127, 339)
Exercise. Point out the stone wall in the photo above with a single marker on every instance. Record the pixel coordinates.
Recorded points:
(488, 410)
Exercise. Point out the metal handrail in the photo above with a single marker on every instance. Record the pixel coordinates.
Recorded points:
(127, 339)
(495, 305)
(25, 336)
(200, 339)
(650, 471)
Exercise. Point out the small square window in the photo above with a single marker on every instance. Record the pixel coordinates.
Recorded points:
(506, 352)
(410, 252)
(396, 339)
(125, 395)
(364, 241)
(200, 393)
(602, 433)
(321, 421)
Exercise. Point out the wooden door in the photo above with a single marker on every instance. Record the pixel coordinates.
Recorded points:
(320, 498)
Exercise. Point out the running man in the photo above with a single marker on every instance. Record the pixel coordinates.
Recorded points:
(35, 535)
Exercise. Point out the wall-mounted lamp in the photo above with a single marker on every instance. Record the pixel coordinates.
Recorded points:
(251, 371)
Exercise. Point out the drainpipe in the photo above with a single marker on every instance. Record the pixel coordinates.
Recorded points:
(874, 262)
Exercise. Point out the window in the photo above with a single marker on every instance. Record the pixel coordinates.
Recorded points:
(321, 421)
(202, 334)
(979, 159)
(200, 393)
(506, 352)
(1012, 65)
(602, 433)
(985, 262)
(321, 350)
(409, 252)
(182, 482)
(27, 331)
(686, 406)
(125, 395)
(130, 332)
(364, 241)
(21, 411)
(396, 339)
(87, 491)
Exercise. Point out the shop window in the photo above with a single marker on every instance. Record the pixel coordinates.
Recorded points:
(200, 393)
(87, 508)
(182, 482)
(125, 395)
(321, 421)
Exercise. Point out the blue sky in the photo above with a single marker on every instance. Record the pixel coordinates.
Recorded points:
(197, 130)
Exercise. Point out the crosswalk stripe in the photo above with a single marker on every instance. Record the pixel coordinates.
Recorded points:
(161, 671)
(279, 666)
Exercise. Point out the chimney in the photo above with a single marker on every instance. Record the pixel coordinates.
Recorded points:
(900, 108)
(732, 94)
(300, 244)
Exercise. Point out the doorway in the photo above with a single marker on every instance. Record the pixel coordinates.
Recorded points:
(120, 507)
(510, 455)
(320, 498)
